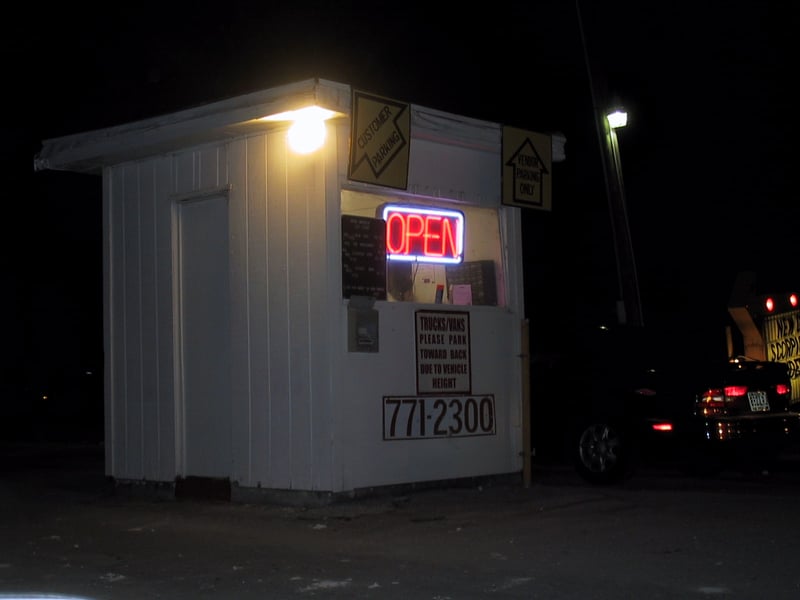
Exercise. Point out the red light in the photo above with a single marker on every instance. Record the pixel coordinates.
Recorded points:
(793, 300)
(712, 402)
(662, 426)
(769, 304)
(713, 396)
(424, 234)
(782, 389)
(735, 390)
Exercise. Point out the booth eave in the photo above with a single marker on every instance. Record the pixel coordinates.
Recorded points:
(89, 152)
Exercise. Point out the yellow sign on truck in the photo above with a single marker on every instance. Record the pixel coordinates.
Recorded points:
(782, 340)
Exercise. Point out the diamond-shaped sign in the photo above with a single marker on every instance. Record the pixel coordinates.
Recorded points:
(379, 141)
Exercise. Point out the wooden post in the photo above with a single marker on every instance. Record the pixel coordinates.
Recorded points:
(526, 404)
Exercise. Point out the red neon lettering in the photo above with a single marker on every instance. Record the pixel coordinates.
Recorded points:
(395, 228)
(412, 234)
(415, 226)
(430, 223)
(449, 244)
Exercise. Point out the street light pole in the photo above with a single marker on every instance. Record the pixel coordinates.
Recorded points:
(629, 309)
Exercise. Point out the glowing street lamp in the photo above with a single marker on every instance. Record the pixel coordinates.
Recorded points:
(617, 119)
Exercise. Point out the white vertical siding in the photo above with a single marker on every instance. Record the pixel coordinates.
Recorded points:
(321, 342)
(254, 163)
(162, 450)
(279, 424)
(306, 274)
(240, 318)
(115, 333)
(139, 338)
(148, 302)
(336, 308)
(279, 329)
(367, 377)
(110, 276)
(282, 362)
(297, 294)
(132, 319)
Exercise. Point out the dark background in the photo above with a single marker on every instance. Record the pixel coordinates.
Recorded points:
(708, 156)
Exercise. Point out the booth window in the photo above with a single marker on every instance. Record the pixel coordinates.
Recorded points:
(475, 277)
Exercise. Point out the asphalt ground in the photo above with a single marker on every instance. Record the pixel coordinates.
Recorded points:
(67, 532)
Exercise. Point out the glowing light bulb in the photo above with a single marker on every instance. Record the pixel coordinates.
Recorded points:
(307, 133)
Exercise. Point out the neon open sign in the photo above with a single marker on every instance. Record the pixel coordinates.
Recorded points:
(424, 234)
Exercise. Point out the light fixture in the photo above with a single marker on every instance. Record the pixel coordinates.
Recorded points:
(618, 118)
(307, 131)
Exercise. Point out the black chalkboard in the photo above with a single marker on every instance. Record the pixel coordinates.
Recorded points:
(363, 257)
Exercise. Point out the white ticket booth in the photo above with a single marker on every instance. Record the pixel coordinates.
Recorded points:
(312, 324)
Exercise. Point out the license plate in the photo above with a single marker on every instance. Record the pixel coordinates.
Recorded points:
(758, 401)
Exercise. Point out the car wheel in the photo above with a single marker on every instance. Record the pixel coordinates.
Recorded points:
(601, 453)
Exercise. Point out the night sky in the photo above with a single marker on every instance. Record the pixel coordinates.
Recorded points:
(708, 157)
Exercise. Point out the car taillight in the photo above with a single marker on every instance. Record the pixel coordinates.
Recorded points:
(712, 401)
(662, 426)
(735, 390)
(782, 389)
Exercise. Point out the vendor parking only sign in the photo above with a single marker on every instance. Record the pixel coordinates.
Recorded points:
(527, 167)
(443, 352)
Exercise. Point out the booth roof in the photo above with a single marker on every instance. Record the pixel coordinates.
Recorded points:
(90, 151)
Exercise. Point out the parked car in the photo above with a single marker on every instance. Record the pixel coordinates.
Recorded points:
(618, 397)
